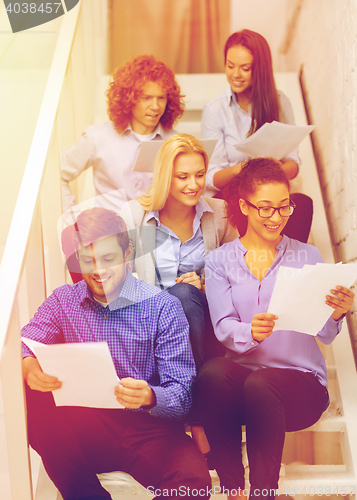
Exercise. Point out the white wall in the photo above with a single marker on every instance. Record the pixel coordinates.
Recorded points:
(267, 17)
(324, 43)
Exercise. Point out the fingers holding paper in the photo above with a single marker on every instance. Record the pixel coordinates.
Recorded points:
(133, 393)
(341, 300)
(262, 325)
(36, 379)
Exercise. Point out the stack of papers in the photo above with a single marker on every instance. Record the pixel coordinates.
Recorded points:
(274, 140)
(86, 371)
(299, 295)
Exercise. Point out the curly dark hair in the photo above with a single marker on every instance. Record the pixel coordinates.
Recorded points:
(254, 173)
(126, 86)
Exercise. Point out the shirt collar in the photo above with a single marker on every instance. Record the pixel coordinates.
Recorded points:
(280, 246)
(159, 131)
(201, 207)
(230, 96)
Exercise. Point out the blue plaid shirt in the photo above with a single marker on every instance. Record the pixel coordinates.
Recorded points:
(145, 328)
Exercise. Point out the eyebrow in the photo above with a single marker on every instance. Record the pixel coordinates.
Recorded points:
(185, 173)
(149, 95)
(244, 64)
(268, 201)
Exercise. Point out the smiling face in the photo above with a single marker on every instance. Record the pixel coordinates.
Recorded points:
(147, 112)
(103, 266)
(239, 63)
(267, 195)
(188, 179)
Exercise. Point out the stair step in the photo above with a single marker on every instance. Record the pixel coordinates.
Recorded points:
(317, 480)
(331, 421)
(310, 480)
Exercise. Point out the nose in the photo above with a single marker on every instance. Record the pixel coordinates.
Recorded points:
(192, 183)
(236, 72)
(154, 103)
(276, 217)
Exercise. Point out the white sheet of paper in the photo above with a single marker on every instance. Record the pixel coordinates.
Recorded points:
(275, 140)
(86, 371)
(149, 149)
(298, 298)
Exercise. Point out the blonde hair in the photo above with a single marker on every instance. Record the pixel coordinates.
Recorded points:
(175, 145)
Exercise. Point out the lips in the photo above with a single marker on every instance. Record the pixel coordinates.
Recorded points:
(101, 281)
(193, 194)
(272, 228)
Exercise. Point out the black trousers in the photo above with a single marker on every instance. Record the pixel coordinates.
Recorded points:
(77, 443)
(269, 401)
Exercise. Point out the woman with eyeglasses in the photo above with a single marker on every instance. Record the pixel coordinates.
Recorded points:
(250, 100)
(269, 381)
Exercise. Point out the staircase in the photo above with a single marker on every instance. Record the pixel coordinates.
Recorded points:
(319, 461)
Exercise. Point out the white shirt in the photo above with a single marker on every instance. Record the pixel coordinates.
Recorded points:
(112, 156)
(225, 120)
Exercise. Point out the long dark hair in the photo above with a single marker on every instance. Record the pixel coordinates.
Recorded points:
(265, 104)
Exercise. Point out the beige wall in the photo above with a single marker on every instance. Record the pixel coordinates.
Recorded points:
(324, 43)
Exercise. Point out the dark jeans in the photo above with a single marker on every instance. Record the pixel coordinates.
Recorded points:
(77, 443)
(204, 343)
(269, 401)
(299, 223)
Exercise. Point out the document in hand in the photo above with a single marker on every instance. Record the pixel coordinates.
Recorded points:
(299, 295)
(149, 149)
(85, 369)
(274, 140)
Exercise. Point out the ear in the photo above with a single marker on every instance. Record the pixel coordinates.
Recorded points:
(128, 252)
(243, 206)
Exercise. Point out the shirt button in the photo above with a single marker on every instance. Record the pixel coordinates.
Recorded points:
(253, 343)
(105, 317)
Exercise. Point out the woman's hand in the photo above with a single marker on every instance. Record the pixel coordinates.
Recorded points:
(341, 301)
(224, 176)
(190, 278)
(262, 325)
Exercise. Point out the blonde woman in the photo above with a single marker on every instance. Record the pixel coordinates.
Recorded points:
(172, 228)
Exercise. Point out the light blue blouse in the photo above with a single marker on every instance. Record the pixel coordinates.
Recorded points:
(174, 259)
(225, 120)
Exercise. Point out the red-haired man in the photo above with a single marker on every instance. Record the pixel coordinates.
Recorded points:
(148, 337)
(144, 101)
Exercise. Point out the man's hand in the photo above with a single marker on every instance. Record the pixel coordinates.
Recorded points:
(341, 301)
(133, 393)
(36, 379)
(190, 278)
(262, 325)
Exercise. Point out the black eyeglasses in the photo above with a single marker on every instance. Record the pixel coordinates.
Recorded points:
(266, 212)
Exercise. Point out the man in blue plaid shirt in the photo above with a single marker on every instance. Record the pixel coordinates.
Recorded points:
(148, 337)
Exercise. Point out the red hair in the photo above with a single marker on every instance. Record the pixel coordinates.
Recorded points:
(126, 86)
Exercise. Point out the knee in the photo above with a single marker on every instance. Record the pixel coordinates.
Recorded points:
(303, 201)
(212, 372)
(185, 291)
(259, 389)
